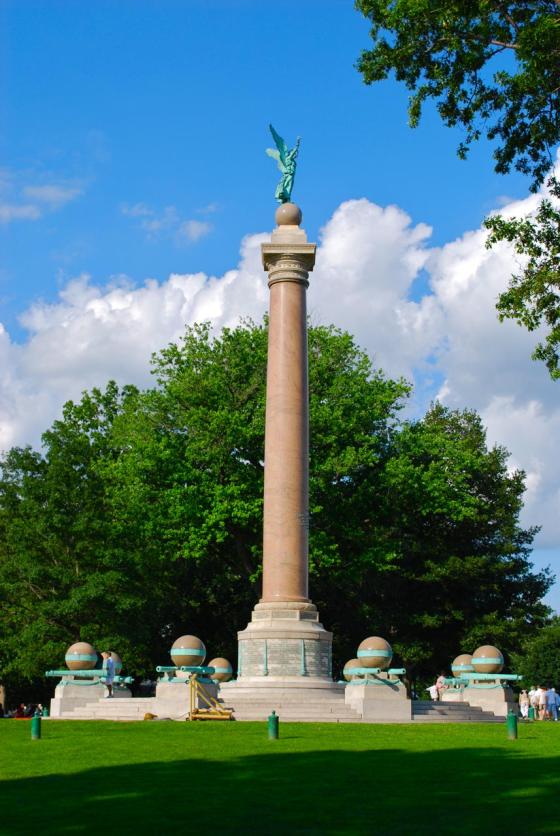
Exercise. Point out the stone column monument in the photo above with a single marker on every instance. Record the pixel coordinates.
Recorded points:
(285, 644)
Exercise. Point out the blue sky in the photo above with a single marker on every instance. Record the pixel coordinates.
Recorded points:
(132, 143)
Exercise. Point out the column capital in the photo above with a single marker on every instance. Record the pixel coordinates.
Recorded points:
(288, 262)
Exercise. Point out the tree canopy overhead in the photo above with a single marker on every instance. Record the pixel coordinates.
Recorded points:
(141, 520)
(532, 298)
(491, 67)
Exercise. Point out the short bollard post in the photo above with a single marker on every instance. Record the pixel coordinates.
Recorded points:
(273, 726)
(511, 723)
(531, 714)
(36, 727)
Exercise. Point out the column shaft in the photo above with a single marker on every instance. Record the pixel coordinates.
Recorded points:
(286, 501)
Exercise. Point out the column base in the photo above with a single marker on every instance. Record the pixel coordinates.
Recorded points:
(284, 645)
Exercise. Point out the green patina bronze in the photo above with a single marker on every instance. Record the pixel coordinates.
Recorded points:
(286, 160)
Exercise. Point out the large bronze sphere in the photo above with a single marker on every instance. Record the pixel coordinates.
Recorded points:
(462, 664)
(223, 670)
(375, 652)
(189, 651)
(487, 659)
(81, 656)
(350, 669)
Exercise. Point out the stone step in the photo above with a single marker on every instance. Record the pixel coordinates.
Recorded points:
(438, 711)
(447, 711)
(476, 719)
(301, 711)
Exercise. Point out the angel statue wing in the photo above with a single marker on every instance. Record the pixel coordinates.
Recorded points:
(272, 152)
(283, 149)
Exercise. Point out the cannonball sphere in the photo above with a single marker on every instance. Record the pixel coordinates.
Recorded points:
(117, 662)
(487, 659)
(375, 652)
(81, 656)
(189, 651)
(223, 670)
(462, 664)
(350, 669)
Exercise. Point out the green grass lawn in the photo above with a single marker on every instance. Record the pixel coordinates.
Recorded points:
(159, 778)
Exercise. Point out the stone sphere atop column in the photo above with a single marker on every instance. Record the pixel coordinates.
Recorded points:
(487, 659)
(351, 668)
(462, 664)
(288, 214)
(188, 651)
(81, 656)
(375, 652)
(223, 670)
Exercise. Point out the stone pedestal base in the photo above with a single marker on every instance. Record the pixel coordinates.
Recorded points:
(68, 696)
(453, 695)
(379, 699)
(173, 700)
(497, 698)
(285, 645)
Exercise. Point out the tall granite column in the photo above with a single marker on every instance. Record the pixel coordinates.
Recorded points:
(285, 643)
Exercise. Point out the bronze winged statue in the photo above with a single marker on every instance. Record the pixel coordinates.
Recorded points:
(286, 161)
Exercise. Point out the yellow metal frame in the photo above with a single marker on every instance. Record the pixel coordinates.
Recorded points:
(213, 712)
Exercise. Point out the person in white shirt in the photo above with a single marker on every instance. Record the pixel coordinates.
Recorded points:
(534, 698)
(524, 704)
(542, 702)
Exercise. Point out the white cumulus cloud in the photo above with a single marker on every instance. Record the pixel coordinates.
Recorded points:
(368, 260)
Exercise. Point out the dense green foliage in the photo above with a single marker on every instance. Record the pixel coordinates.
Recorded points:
(533, 296)
(141, 519)
(492, 68)
(539, 662)
(397, 779)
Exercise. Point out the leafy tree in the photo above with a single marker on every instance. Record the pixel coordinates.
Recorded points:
(460, 573)
(491, 67)
(62, 575)
(142, 518)
(533, 296)
(194, 465)
(539, 662)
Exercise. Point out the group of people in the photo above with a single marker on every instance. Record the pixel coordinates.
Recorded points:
(23, 711)
(544, 701)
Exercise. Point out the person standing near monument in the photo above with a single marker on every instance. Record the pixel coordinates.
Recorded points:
(551, 704)
(524, 704)
(109, 671)
(441, 685)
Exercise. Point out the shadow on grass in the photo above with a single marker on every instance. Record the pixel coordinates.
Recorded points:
(328, 792)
